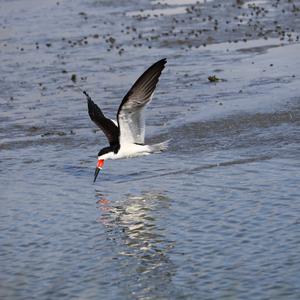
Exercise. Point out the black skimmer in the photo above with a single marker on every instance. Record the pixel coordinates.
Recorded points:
(126, 136)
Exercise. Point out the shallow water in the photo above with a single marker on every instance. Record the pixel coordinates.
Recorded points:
(214, 217)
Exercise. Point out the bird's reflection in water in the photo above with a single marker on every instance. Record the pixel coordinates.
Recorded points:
(135, 224)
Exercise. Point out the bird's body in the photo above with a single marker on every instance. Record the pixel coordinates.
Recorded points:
(127, 151)
(126, 136)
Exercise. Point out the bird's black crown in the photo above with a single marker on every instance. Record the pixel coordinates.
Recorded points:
(113, 148)
(104, 151)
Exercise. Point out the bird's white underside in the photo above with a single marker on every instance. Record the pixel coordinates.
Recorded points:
(128, 150)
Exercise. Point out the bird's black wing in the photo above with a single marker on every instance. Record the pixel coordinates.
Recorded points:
(130, 115)
(108, 127)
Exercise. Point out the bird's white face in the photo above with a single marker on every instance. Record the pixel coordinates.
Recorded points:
(100, 162)
(108, 155)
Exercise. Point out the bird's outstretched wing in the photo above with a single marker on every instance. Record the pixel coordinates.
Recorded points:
(130, 115)
(108, 127)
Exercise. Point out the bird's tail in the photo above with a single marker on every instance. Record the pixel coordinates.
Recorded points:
(160, 147)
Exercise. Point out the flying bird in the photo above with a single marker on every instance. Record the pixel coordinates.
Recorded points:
(126, 136)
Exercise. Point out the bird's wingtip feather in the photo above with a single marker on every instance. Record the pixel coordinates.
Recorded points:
(164, 60)
(91, 103)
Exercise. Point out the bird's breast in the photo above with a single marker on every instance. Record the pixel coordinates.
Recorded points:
(131, 150)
